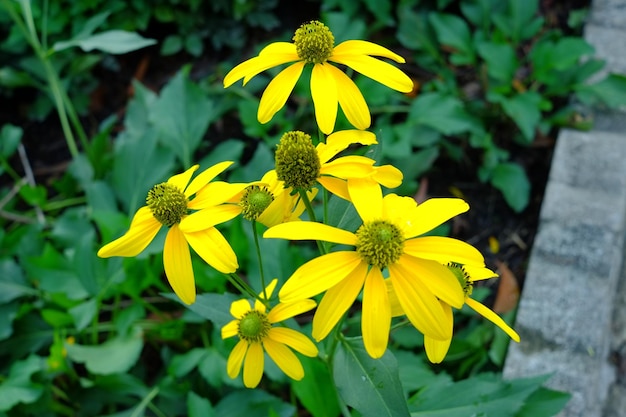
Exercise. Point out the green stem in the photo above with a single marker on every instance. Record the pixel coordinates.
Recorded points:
(145, 402)
(259, 257)
(309, 210)
(244, 288)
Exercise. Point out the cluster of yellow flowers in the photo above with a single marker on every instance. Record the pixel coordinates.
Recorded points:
(398, 270)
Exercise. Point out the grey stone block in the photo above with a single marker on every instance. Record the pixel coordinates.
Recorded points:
(609, 45)
(608, 13)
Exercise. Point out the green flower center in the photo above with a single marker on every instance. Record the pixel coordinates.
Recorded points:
(167, 203)
(461, 276)
(254, 326)
(379, 243)
(297, 162)
(254, 201)
(314, 42)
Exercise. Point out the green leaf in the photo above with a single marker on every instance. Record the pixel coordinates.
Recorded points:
(315, 390)
(171, 45)
(111, 41)
(214, 307)
(519, 22)
(212, 367)
(116, 355)
(253, 403)
(453, 31)
(12, 282)
(510, 178)
(8, 312)
(18, 387)
(181, 365)
(501, 60)
(371, 386)
(181, 115)
(10, 137)
(34, 195)
(84, 313)
(443, 112)
(524, 110)
(568, 51)
(611, 91)
(544, 403)
(198, 406)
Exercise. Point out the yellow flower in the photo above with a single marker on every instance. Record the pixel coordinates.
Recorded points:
(388, 241)
(168, 204)
(436, 350)
(301, 165)
(253, 325)
(314, 44)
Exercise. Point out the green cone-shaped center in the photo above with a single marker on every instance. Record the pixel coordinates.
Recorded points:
(297, 162)
(379, 243)
(461, 276)
(167, 203)
(314, 42)
(254, 201)
(254, 326)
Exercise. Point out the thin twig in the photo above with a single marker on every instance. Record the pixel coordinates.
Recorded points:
(30, 178)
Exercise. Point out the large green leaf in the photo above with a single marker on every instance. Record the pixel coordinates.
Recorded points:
(453, 31)
(525, 110)
(213, 307)
(610, 91)
(181, 115)
(198, 406)
(443, 112)
(10, 137)
(510, 178)
(519, 21)
(253, 403)
(371, 386)
(501, 60)
(12, 282)
(116, 355)
(18, 387)
(315, 391)
(111, 41)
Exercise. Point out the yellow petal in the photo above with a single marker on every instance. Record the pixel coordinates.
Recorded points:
(206, 176)
(278, 90)
(351, 100)
(436, 350)
(177, 265)
(253, 365)
(324, 93)
(256, 65)
(142, 230)
(235, 359)
(420, 306)
(367, 198)
(284, 311)
(492, 317)
(400, 211)
(477, 273)
(181, 180)
(439, 280)
(213, 249)
(284, 358)
(239, 308)
(319, 274)
(388, 175)
(269, 289)
(340, 141)
(376, 316)
(215, 193)
(294, 340)
(337, 301)
(377, 70)
(430, 214)
(360, 47)
(209, 217)
(337, 186)
(231, 329)
(352, 166)
(310, 231)
(280, 48)
(396, 308)
(443, 250)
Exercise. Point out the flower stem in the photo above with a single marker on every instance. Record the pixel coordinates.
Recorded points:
(309, 210)
(259, 257)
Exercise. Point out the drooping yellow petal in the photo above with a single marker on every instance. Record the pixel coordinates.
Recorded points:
(351, 100)
(478, 273)
(400, 211)
(310, 231)
(256, 65)
(294, 340)
(420, 306)
(253, 365)
(286, 360)
(209, 217)
(337, 186)
(214, 249)
(280, 48)
(142, 230)
(352, 166)
(376, 316)
(177, 265)
(428, 215)
(205, 177)
(443, 250)
(436, 350)
(360, 47)
(324, 94)
(239, 308)
(377, 70)
(439, 280)
(340, 141)
(492, 317)
(388, 175)
(215, 193)
(278, 90)
(337, 301)
(367, 197)
(235, 359)
(181, 180)
(284, 311)
(269, 289)
(231, 329)
(319, 274)
(396, 308)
